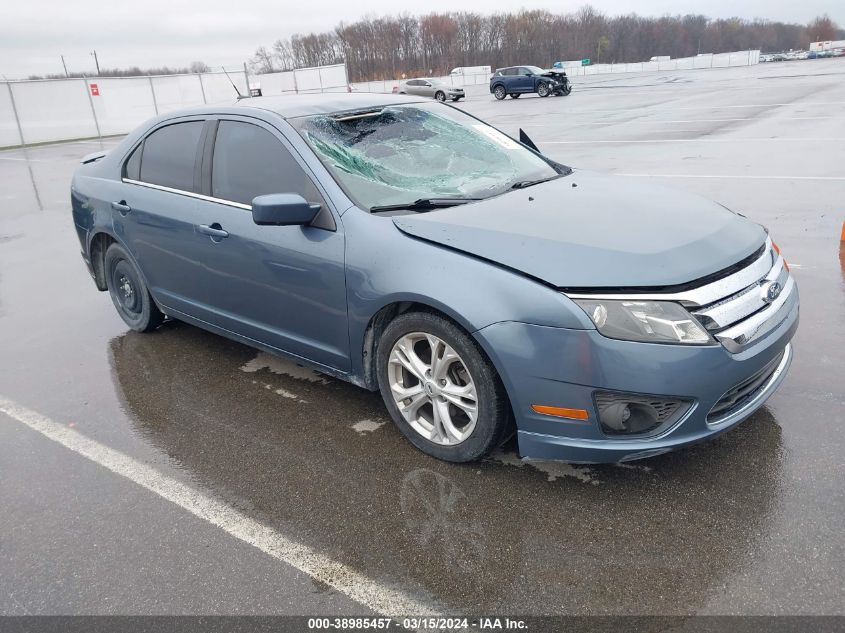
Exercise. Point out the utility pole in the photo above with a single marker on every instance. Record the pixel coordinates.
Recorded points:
(96, 62)
(64, 65)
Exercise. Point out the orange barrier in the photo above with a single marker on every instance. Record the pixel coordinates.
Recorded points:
(842, 237)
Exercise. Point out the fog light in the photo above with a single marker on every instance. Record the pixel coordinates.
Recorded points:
(631, 414)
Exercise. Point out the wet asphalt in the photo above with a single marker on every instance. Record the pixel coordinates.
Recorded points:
(751, 523)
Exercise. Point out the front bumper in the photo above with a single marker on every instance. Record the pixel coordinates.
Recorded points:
(563, 368)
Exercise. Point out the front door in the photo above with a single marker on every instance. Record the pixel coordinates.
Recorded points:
(283, 286)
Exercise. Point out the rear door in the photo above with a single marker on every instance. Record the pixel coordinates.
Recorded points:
(156, 217)
(284, 286)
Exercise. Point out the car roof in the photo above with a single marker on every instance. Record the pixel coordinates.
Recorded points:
(290, 106)
(297, 105)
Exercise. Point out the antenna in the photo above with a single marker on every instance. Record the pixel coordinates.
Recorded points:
(240, 96)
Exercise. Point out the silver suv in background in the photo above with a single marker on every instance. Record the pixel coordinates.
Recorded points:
(431, 88)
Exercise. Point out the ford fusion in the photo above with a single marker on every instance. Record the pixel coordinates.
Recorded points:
(482, 288)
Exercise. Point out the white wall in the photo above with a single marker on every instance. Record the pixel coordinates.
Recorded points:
(54, 110)
(723, 60)
(8, 127)
(318, 79)
(65, 109)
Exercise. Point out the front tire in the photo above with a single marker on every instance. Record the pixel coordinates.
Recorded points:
(499, 92)
(440, 389)
(440, 95)
(543, 89)
(129, 293)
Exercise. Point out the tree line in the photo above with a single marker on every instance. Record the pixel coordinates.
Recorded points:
(433, 44)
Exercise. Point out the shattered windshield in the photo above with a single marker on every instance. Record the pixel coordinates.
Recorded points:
(403, 153)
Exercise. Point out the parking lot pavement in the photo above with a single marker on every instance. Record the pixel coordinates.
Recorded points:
(135, 468)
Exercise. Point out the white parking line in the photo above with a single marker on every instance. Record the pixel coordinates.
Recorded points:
(700, 140)
(381, 598)
(661, 121)
(27, 160)
(729, 176)
(654, 108)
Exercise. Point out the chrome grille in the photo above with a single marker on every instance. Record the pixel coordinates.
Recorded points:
(745, 312)
(733, 308)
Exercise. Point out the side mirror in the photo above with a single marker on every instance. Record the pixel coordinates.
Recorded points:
(283, 209)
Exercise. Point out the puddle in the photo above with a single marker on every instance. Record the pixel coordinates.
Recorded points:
(553, 470)
(284, 367)
(367, 426)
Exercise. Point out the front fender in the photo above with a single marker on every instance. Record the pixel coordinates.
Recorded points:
(385, 266)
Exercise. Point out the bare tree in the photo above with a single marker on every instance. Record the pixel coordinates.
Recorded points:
(390, 47)
(262, 61)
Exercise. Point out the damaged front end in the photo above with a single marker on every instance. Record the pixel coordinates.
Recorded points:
(560, 81)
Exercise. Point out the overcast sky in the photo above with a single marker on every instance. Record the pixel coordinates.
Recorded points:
(34, 33)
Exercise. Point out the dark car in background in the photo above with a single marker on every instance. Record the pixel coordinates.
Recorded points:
(483, 288)
(519, 80)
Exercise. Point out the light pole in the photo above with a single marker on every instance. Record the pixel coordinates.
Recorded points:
(64, 65)
(96, 62)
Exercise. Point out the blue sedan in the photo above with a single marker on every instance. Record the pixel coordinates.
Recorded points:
(482, 288)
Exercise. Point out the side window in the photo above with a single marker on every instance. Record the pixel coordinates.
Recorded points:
(249, 161)
(509, 72)
(132, 167)
(169, 155)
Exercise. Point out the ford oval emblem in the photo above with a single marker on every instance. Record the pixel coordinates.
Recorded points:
(771, 291)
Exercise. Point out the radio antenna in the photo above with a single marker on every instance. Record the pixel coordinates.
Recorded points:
(240, 96)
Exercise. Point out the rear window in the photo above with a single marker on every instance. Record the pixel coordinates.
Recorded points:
(169, 155)
(132, 170)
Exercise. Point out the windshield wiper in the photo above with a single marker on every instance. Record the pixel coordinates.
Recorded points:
(522, 184)
(424, 204)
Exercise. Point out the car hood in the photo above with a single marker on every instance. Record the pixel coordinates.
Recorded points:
(588, 230)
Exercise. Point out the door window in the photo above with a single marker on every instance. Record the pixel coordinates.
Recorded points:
(249, 161)
(169, 155)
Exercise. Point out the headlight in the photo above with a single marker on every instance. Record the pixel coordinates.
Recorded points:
(647, 321)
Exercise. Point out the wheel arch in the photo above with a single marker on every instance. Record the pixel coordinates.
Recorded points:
(389, 311)
(98, 244)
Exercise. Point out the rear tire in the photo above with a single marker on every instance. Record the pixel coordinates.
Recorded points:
(129, 293)
(455, 406)
(499, 92)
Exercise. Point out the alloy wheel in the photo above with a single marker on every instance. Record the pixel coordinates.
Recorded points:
(432, 388)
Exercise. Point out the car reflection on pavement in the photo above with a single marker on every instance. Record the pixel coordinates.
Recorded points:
(653, 537)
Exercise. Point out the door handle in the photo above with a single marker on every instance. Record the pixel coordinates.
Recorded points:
(214, 230)
(121, 207)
